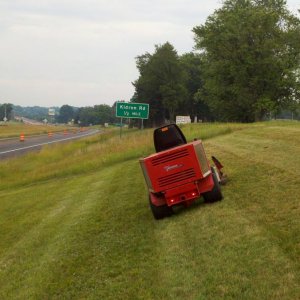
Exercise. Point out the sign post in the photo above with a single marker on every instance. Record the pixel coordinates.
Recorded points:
(121, 127)
(132, 111)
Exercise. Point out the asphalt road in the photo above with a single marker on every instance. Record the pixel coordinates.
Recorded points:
(12, 147)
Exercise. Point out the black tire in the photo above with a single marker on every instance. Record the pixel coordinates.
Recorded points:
(215, 194)
(160, 212)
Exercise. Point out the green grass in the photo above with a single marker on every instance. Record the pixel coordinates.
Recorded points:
(91, 154)
(13, 129)
(86, 231)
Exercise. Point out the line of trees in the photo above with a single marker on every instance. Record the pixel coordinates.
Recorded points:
(97, 114)
(38, 113)
(246, 67)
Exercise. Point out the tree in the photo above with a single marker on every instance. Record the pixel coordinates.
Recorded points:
(85, 116)
(98, 114)
(251, 53)
(104, 114)
(192, 64)
(66, 114)
(32, 112)
(160, 83)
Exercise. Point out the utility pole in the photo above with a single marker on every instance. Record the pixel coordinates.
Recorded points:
(5, 119)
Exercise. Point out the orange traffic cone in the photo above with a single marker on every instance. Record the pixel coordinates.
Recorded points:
(65, 132)
(50, 134)
(22, 137)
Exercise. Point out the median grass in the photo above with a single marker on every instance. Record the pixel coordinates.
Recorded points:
(75, 222)
(14, 129)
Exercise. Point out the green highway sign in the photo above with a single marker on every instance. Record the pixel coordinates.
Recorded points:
(132, 110)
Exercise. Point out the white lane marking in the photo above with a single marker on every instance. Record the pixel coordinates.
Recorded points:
(42, 144)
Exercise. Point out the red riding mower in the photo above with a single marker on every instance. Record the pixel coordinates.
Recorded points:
(179, 172)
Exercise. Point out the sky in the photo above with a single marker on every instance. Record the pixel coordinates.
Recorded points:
(82, 52)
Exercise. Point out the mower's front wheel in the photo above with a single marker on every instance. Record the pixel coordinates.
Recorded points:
(215, 194)
(160, 212)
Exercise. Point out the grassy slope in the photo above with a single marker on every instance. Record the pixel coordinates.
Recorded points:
(91, 234)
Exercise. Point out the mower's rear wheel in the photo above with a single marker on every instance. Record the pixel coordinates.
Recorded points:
(215, 194)
(160, 212)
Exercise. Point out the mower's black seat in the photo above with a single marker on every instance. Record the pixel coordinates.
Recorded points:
(167, 137)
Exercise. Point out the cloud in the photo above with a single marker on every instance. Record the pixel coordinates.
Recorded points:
(63, 51)
(53, 54)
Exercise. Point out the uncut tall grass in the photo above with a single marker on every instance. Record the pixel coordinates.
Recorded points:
(92, 153)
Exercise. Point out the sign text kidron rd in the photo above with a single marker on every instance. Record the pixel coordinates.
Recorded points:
(132, 110)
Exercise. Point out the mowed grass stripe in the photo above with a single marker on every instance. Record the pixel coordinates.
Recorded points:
(65, 250)
(267, 145)
(94, 237)
(35, 248)
(248, 241)
(272, 190)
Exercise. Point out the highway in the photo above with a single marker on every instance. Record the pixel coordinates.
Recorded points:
(12, 147)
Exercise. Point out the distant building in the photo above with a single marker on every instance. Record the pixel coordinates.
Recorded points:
(183, 119)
